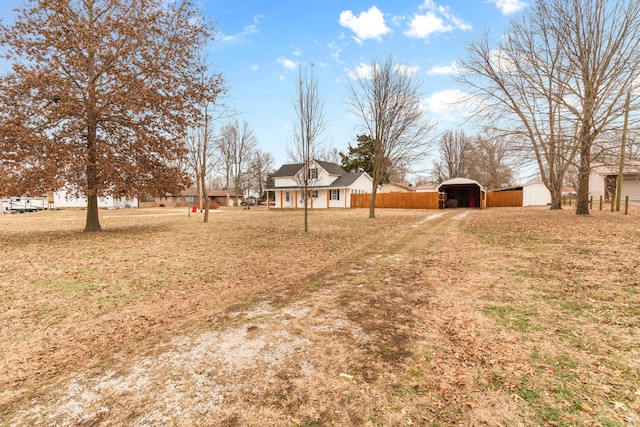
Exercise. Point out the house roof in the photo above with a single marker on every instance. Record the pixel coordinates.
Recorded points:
(402, 185)
(427, 187)
(630, 167)
(293, 168)
(344, 181)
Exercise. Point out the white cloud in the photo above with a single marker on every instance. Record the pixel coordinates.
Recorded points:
(409, 70)
(254, 67)
(242, 36)
(362, 71)
(239, 37)
(450, 104)
(296, 52)
(435, 19)
(287, 63)
(335, 52)
(368, 25)
(443, 70)
(508, 7)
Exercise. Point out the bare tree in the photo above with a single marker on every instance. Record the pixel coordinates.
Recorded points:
(236, 144)
(307, 130)
(521, 82)
(259, 168)
(494, 160)
(600, 42)
(388, 102)
(457, 156)
(200, 140)
(559, 78)
(100, 95)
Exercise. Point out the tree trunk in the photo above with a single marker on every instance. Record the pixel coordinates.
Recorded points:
(92, 224)
(556, 200)
(582, 204)
(204, 197)
(372, 202)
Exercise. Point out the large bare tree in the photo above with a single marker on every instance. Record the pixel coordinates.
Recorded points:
(600, 42)
(200, 140)
(388, 103)
(521, 81)
(100, 95)
(236, 144)
(308, 127)
(495, 160)
(559, 78)
(457, 156)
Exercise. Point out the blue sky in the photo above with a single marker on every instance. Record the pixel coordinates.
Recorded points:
(260, 45)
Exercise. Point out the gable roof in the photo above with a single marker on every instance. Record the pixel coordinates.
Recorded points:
(293, 168)
(347, 179)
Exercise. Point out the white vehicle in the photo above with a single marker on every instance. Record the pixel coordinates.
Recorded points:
(22, 204)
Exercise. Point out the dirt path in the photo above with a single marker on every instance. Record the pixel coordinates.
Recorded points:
(392, 337)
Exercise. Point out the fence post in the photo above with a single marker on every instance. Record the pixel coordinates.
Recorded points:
(600, 202)
(626, 205)
(570, 197)
(591, 202)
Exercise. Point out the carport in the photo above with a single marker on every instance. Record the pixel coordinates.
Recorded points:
(463, 193)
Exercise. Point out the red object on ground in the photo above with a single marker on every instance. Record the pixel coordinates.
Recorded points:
(194, 209)
(472, 203)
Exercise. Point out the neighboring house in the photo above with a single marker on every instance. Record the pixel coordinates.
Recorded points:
(427, 188)
(189, 197)
(603, 181)
(69, 199)
(396, 187)
(329, 186)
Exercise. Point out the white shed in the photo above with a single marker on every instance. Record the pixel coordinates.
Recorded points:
(535, 194)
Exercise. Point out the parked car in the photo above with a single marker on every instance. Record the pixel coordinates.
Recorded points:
(247, 203)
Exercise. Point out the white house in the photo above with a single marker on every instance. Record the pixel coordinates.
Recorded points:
(68, 199)
(603, 181)
(329, 186)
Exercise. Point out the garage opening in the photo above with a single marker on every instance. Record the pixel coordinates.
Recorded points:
(463, 193)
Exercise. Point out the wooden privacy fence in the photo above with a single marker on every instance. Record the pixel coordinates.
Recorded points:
(503, 199)
(397, 200)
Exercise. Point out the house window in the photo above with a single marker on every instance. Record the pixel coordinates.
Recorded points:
(334, 195)
(314, 194)
(189, 199)
(286, 196)
(313, 173)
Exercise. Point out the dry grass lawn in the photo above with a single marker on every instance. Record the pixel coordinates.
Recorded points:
(513, 316)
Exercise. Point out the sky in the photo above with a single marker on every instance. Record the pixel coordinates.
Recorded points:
(261, 44)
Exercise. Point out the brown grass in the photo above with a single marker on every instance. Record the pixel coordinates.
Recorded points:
(498, 317)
